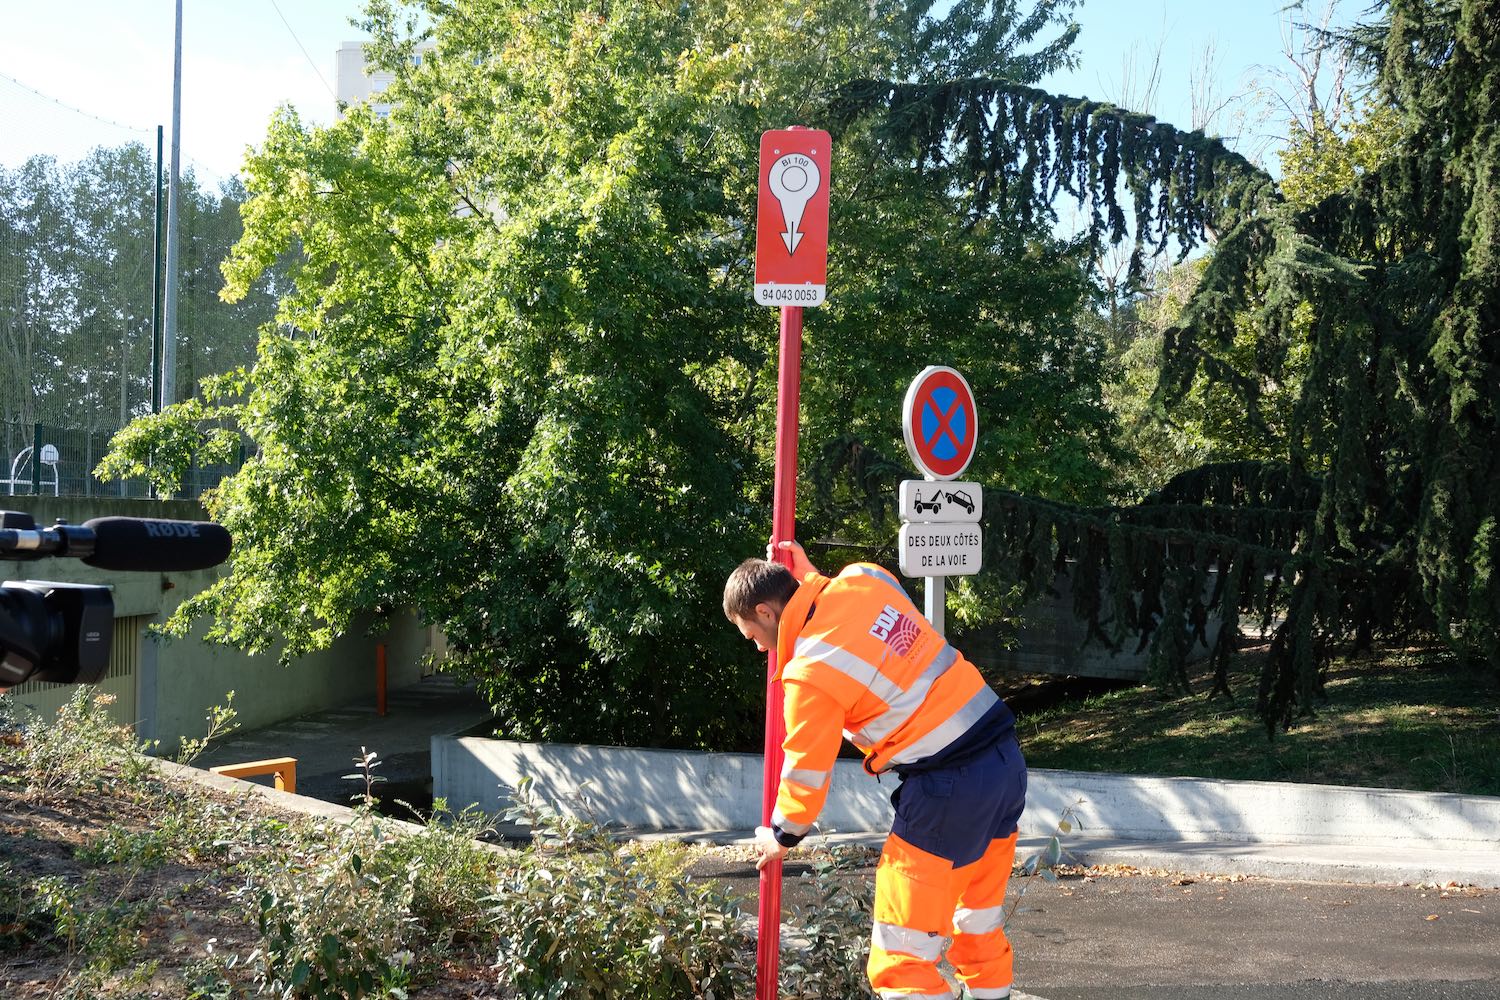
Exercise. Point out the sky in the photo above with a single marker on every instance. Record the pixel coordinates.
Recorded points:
(113, 60)
(79, 73)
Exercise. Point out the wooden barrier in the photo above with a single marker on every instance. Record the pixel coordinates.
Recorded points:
(284, 768)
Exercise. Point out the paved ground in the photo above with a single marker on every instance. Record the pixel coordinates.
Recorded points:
(327, 743)
(1153, 936)
(1132, 934)
(1289, 991)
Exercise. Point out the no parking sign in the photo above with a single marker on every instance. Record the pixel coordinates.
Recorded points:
(941, 422)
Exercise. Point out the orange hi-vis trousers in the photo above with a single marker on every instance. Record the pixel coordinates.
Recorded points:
(943, 875)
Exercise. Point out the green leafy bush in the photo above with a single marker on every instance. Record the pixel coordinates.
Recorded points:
(185, 828)
(22, 919)
(577, 916)
(107, 934)
(331, 926)
(77, 750)
(825, 944)
(450, 874)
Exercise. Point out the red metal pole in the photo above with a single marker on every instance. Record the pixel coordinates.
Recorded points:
(783, 528)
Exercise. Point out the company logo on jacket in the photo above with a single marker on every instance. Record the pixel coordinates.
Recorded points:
(895, 630)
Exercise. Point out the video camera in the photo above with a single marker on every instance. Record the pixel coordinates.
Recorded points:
(60, 632)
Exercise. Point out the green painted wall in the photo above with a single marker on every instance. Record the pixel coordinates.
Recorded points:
(180, 680)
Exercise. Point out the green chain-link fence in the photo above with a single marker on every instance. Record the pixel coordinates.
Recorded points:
(49, 460)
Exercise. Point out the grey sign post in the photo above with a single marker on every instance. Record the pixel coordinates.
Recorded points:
(940, 533)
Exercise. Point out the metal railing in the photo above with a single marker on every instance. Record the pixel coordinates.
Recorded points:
(282, 769)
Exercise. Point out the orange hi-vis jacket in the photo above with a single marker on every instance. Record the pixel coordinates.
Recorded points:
(858, 660)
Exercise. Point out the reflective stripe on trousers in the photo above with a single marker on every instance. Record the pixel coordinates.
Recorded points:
(920, 899)
(980, 951)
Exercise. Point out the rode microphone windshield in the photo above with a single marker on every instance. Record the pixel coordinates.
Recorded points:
(156, 545)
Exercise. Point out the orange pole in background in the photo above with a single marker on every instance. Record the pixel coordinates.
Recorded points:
(380, 678)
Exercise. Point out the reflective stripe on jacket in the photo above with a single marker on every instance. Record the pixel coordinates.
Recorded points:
(860, 661)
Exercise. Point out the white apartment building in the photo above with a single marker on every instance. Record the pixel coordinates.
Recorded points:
(356, 83)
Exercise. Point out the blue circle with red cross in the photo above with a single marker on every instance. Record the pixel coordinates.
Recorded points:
(940, 422)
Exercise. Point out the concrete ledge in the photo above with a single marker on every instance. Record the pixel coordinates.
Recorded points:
(286, 801)
(1293, 862)
(1218, 821)
(1297, 862)
(1204, 809)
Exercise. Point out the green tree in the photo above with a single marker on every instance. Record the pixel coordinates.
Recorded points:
(1381, 293)
(76, 288)
(518, 382)
(1206, 421)
(1378, 272)
(101, 342)
(35, 291)
(1326, 158)
(1156, 448)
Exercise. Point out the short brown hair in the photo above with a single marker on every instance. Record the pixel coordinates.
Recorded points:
(756, 581)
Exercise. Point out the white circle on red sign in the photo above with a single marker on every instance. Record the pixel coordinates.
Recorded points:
(941, 422)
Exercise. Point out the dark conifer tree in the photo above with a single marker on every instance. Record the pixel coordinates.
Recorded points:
(1383, 517)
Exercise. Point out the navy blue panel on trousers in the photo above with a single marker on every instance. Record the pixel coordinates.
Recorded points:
(955, 811)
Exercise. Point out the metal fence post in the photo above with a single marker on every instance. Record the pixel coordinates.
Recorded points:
(36, 459)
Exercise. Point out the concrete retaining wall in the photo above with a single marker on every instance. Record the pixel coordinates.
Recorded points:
(670, 790)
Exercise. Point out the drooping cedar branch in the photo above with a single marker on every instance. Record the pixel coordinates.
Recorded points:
(1013, 150)
(1217, 545)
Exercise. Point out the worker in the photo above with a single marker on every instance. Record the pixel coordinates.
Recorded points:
(858, 660)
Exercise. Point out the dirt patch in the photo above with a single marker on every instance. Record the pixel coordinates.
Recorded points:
(139, 922)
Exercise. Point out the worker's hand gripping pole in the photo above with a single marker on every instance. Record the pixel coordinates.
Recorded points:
(783, 528)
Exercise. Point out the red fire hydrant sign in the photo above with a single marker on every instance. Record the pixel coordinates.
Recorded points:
(791, 218)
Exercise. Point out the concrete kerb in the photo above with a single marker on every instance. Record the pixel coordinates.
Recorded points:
(300, 805)
(1279, 829)
(1305, 861)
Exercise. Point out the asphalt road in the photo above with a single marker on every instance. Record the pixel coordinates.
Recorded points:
(1290, 991)
(1163, 936)
(1121, 934)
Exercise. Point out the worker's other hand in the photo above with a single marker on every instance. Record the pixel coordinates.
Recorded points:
(801, 565)
(770, 850)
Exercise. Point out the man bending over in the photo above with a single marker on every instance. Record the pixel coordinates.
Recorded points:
(858, 660)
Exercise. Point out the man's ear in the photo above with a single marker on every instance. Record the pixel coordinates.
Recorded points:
(767, 612)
